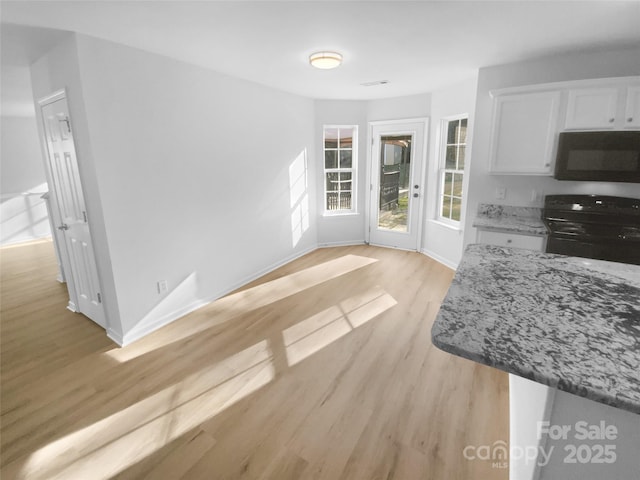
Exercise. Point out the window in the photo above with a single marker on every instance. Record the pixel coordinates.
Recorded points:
(340, 159)
(452, 169)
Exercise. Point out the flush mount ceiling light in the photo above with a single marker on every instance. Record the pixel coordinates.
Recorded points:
(325, 60)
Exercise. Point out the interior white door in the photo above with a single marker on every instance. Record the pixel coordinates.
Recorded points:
(83, 283)
(395, 206)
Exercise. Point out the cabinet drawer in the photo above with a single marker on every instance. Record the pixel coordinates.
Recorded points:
(502, 239)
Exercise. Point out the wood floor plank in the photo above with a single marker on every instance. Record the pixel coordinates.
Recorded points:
(321, 369)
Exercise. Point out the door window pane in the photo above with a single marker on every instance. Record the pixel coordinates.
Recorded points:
(395, 171)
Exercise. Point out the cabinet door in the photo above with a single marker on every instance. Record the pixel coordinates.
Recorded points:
(523, 136)
(592, 108)
(632, 111)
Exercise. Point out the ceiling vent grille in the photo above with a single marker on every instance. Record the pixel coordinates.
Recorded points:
(377, 82)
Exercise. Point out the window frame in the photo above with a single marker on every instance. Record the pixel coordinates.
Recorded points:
(442, 170)
(353, 170)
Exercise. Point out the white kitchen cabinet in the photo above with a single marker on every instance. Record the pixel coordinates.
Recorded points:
(632, 108)
(603, 108)
(523, 138)
(527, 120)
(514, 240)
(592, 108)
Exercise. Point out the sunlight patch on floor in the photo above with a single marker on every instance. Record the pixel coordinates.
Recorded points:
(122, 439)
(132, 434)
(244, 301)
(316, 332)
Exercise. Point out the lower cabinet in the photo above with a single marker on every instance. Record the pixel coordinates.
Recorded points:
(514, 240)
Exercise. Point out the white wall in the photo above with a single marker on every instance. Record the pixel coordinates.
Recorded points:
(23, 214)
(59, 69)
(397, 108)
(573, 66)
(201, 178)
(341, 229)
(349, 229)
(440, 241)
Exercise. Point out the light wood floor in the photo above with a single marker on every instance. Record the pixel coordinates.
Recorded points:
(323, 369)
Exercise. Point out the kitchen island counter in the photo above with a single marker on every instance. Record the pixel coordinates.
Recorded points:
(566, 322)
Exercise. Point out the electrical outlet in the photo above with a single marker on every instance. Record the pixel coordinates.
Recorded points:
(537, 198)
(163, 286)
(501, 193)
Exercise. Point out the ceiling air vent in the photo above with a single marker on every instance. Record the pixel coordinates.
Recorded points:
(377, 82)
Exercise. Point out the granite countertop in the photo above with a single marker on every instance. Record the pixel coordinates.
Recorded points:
(505, 218)
(567, 322)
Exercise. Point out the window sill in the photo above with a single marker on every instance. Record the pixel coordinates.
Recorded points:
(340, 214)
(455, 228)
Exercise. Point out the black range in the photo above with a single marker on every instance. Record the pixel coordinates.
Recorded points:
(593, 226)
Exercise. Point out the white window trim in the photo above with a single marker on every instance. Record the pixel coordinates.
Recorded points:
(442, 153)
(354, 174)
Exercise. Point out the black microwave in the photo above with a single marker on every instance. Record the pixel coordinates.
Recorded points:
(612, 156)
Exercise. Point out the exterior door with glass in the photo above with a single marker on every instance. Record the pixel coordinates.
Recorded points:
(396, 173)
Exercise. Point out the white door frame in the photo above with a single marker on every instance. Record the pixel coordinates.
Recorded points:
(421, 179)
(58, 236)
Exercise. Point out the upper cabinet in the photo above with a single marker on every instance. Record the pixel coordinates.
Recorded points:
(603, 108)
(594, 108)
(527, 120)
(632, 107)
(524, 132)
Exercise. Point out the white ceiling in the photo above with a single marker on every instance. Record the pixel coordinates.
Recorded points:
(418, 46)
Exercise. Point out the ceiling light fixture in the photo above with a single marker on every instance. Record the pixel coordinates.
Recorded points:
(325, 60)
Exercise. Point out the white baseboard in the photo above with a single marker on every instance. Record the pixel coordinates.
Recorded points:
(116, 337)
(150, 326)
(439, 259)
(341, 244)
(140, 331)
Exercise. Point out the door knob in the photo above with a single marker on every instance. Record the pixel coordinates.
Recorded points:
(415, 195)
(64, 226)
